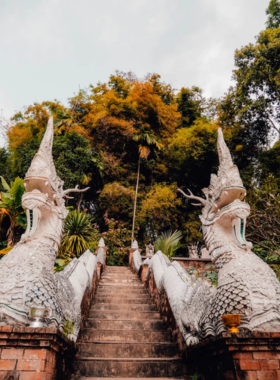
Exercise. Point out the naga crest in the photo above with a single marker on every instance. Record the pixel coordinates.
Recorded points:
(223, 203)
(44, 188)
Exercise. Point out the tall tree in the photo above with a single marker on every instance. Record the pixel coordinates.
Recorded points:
(273, 12)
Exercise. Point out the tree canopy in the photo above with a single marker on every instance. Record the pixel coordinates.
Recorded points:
(108, 131)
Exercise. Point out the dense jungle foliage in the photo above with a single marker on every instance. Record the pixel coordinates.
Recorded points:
(106, 130)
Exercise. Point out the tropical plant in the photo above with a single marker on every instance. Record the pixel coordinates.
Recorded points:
(78, 234)
(68, 327)
(10, 206)
(213, 275)
(168, 243)
(117, 240)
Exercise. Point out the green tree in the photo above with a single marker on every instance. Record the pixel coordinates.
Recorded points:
(190, 105)
(158, 211)
(273, 12)
(264, 221)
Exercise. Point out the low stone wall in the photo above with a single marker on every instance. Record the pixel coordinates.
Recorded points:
(28, 353)
(87, 300)
(166, 313)
(190, 263)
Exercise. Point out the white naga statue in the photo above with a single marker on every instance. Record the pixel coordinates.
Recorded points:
(27, 272)
(246, 284)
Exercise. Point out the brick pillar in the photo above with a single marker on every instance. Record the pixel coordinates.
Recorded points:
(243, 356)
(28, 353)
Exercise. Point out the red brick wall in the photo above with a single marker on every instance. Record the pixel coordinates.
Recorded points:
(34, 354)
(199, 264)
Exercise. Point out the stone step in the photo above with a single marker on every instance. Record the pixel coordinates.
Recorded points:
(107, 294)
(117, 278)
(127, 315)
(119, 367)
(131, 378)
(125, 306)
(127, 350)
(107, 290)
(122, 300)
(120, 280)
(105, 324)
(118, 274)
(126, 336)
(132, 286)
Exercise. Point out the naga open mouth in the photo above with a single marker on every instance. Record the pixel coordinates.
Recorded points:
(227, 196)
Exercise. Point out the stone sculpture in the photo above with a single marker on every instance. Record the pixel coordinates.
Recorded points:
(134, 244)
(246, 284)
(27, 272)
(193, 251)
(101, 243)
(137, 260)
(150, 250)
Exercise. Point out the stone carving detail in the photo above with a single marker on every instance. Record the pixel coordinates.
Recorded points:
(134, 244)
(137, 261)
(150, 250)
(26, 272)
(101, 243)
(100, 256)
(246, 284)
(193, 251)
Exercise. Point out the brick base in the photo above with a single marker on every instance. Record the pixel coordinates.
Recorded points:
(34, 353)
(243, 356)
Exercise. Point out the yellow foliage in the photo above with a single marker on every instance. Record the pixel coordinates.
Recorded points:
(160, 204)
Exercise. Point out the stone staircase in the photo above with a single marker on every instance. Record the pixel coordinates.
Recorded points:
(124, 335)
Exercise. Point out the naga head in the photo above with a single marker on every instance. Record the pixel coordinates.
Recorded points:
(44, 188)
(223, 204)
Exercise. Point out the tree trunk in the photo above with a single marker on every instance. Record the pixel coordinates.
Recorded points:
(11, 236)
(135, 200)
(80, 202)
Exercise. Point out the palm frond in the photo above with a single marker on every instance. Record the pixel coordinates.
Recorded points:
(168, 243)
(4, 184)
(144, 151)
(78, 232)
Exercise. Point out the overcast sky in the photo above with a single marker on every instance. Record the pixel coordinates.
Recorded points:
(50, 48)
